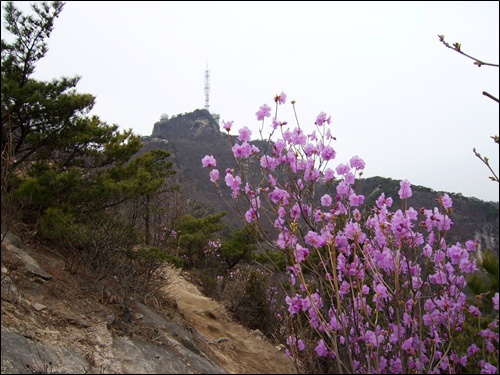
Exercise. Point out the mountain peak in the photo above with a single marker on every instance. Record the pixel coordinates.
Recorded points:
(193, 124)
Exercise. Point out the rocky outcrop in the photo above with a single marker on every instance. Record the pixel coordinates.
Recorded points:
(199, 123)
(49, 327)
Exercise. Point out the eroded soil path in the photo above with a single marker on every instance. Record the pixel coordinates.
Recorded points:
(238, 349)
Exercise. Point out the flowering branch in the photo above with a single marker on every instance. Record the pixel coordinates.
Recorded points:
(369, 290)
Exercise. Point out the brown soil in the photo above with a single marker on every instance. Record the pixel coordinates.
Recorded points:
(238, 349)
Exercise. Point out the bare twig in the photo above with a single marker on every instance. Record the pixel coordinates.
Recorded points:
(486, 161)
(490, 96)
(457, 47)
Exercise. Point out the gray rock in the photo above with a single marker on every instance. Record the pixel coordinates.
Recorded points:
(14, 244)
(21, 355)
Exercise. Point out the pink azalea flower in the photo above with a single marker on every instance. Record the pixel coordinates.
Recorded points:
(321, 349)
(408, 346)
(463, 360)
(395, 366)
(321, 119)
(279, 195)
(474, 311)
(371, 338)
(281, 98)
(405, 191)
(456, 254)
(343, 189)
(468, 266)
(232, 181)
(342, 169)
(208, 161)
(328, 175)
(310, 149)
(314, 239)
(488, 368)
(356, 200)
(344, 288)
(301, 253)
(244, 134)
(438, 278)
(349, 178)
(264, 111)
(271, 163)
(294, 304)
(227, 125)
(251, 215)
(470, 246)
(242, 151)
(382, 200)
(295, 211)
(214, 175)
(446, 201)
(381, 291)
(326, 200)
(300, 344)
(276, 123)
(357, 163)
(278, 147)
(297, 137)
(328, 153)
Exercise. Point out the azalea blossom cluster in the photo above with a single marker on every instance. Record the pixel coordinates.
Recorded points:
(168, 233)
(380, 289)
(213, 249)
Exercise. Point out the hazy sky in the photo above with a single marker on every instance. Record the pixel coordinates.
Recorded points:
(410, 107)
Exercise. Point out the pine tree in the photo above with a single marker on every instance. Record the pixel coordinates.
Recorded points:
(54, 154)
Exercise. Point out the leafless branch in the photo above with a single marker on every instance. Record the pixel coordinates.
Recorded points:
(490, 96)
(458, 48)
(486, 161)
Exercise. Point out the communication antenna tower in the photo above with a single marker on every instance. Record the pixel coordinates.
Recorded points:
(207, 87)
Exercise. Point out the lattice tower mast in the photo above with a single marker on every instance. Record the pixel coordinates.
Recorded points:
(207, 87)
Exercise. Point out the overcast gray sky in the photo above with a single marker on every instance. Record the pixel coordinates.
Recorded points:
(410, 107)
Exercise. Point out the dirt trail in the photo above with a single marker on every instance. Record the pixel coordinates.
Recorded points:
(238, 349)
